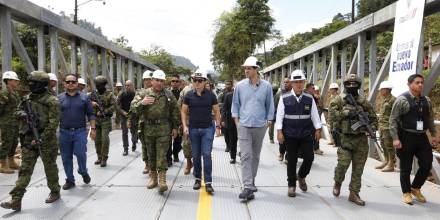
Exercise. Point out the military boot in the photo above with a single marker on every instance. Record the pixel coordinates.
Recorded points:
(4, 168)
(336, 189)
(98, 162)
(188, 167)
(389, 167)
(146, 169)
(382, 165)
(152, 183)
(104, 162)
(14, 204)
(162, 181)
(52, 197)
(354, 197)
(12, 164)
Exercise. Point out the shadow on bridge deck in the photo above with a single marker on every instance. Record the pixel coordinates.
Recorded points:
(118, 191)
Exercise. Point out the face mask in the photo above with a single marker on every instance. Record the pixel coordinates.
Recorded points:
(101, 88)
(352, 90)
(38, 87)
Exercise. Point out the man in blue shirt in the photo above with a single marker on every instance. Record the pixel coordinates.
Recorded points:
(253, 111)
(75, 108)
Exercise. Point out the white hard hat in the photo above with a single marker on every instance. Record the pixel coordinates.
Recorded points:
(297, 75)
(118, 84)
(53, 77)
(386, 85)
(200, 74)
(158, 74)
(146, 74)
(316, 87)
(81, 81)
(251, 61)
(10, 75)
(334, 86)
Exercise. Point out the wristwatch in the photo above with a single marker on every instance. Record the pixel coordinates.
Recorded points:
(218, 126)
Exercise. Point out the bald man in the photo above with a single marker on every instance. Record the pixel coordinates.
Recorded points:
(124, 100)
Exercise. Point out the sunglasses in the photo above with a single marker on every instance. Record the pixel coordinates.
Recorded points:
(175, 81)
(199, 80)
(70, 82)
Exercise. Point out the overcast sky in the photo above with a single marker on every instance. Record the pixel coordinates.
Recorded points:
(185, 28)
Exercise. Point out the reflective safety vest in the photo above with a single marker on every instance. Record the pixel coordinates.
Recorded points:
(297, 121)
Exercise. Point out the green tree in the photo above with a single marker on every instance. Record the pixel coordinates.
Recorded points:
(366, 7)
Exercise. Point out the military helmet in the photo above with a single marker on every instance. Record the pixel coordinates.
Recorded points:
(38, 76)
(275, 86)
(352, 79)
(100, 80)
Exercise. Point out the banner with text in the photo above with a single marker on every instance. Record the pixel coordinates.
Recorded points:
(406, 41)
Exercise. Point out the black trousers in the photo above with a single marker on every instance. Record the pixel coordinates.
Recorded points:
(231, 139)
(133, 131)
(282, 149)
(174, 148)
(293, 146)
(414, 145)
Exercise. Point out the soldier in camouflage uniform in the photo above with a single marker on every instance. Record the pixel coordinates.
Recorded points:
(45, 105)
(9, 100)
(135, 116)
(333, 89)
(161, 121)
(103, 119)
(353, 143)
(386, 141)
(186, 143)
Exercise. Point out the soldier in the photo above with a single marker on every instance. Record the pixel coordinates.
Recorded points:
(384, 127)
(9, 100)
(411, 118)
(45, 107)
(136, 117)
(104, 104)
(161, 120)
(186, 143)
(333, 89)
(354, 143)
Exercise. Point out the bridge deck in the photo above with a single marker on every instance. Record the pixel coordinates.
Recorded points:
(118, 191)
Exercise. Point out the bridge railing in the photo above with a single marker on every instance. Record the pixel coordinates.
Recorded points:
(53, 26)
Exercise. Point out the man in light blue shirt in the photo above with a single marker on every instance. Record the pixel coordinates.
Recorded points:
(253, 111)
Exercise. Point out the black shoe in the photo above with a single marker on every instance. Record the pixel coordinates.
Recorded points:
(197, 185)
(227, 149)
(232, 161)
(86, 178)
(302, 184)
(176, 159)
(209, 189)
(97, 162)
(68, 185)
(247, 195)
(170, 163)
(125, 152)
(133, 148)
(103, 163)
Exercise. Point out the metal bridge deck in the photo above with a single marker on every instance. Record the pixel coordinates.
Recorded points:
(118, 192)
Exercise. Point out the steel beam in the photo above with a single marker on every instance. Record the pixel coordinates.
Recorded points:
(104, 66)
(301, 64)
(95, 62)
(53, 36)
(383, 73)
(84, 61)
(118, 68)
(309, 69)
(41, 49)
(139, 76)
(21, 50)
(73, 56)
(130, 71)
(432, 77)
(323, 65)
(372, 59)
(361, 60)
(334, 63)
(325, 84)
(315, 67)
(62, 60)
(123, 70)
(6, 40)
(343, 61)
(111, 69)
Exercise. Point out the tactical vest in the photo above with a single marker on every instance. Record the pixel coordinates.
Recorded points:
(417, 112)
(40, 105)
(297, 121)
(347, 123)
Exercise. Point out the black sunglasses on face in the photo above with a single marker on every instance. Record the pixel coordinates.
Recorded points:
(175, 81)
(199, 80)
(71, 82)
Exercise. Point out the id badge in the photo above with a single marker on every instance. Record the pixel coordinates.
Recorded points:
(419, 125)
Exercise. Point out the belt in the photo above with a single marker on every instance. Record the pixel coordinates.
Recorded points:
(412, 131)
(296, 116)
(156, 121)
(73, 129)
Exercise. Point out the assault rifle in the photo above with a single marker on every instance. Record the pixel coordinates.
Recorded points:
(363, 121)
(95, 98)
(31, 118)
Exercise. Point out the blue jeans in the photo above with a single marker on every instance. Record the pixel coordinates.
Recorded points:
(201, 144)
(73, 142)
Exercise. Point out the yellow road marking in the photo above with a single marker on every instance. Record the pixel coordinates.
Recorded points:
(205, 204)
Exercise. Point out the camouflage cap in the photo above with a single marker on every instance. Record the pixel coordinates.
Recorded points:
(352, 78)
(38, 76)
(100, 80)
(275, 86)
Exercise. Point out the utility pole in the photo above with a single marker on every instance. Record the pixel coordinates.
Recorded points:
(353, 2)
(75, 16)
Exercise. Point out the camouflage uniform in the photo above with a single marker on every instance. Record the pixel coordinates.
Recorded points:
(186, 144)
(159, 119)
(103, 123)
(136, 116)
(117, 113)
(9, 102)
(47, 109)
(386, 141)
(354, 143)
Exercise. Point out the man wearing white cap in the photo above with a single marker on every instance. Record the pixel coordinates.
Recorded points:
(253, 111)
(386, 141)
(81, 84)
(298, 127)
(9, 101)
(53, 80)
